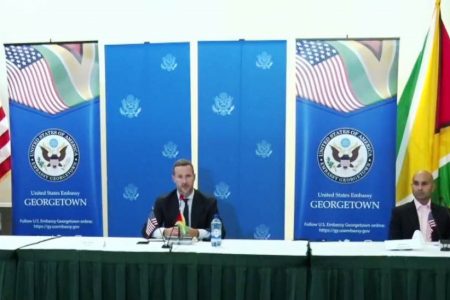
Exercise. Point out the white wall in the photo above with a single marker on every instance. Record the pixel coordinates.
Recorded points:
(137, 21)
(134, 21)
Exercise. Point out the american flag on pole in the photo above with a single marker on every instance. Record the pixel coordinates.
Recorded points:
(5, 149)
(152, 224)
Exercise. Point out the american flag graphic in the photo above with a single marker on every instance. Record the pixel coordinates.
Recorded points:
(152, 224)
(5, 148)
(30, 80)
(321, 76)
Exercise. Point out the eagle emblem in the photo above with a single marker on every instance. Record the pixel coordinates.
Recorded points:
(345, 158)
(54, 155)
(264, 61)
(130, 107)
(169, 63)
(345, 155)
(54, 160)
(222, 191)
(223, 104)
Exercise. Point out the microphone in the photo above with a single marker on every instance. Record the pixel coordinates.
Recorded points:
(162, 235)
(168, 245)
(434, 226)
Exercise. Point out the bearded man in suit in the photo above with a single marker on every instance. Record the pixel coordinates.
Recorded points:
(197, 208)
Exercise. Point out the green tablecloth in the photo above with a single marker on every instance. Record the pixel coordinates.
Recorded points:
(379, 277)
(7, 274)
(71, 274)
(81, 274)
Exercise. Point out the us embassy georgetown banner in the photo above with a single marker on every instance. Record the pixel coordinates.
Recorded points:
(148, 127)
(242, 117)
(54, 107)
(345, 155)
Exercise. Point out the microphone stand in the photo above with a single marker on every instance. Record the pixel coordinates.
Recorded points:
(167, 244)
(161, 233)
(436, 227)
(41, 241)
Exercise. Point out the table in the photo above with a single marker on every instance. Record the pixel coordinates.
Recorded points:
(119, 268)
(365, 270)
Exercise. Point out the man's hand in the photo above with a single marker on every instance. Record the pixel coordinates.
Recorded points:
(193, 232)
(171, 231)
(174, 231)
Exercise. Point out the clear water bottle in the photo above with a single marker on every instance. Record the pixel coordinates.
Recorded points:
(216, 231)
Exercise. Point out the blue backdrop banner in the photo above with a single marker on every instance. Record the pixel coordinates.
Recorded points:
(345, 159)
(148, 127)
(55, 131)
(242, 134)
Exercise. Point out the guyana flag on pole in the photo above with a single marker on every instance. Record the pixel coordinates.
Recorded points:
(423, 124)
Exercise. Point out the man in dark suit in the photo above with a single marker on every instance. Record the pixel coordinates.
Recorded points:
(198, 209)
(420, 214)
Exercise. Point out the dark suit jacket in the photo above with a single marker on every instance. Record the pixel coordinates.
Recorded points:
(405, 221)
(203, 209)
